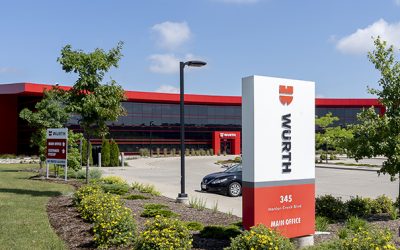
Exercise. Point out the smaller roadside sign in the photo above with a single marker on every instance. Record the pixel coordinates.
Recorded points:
(57, 145)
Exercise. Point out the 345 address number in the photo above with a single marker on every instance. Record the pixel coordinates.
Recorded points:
(285, 198)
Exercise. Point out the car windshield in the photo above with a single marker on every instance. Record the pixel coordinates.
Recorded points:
(235, 168)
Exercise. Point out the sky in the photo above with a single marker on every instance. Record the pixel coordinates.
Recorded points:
(322, 41)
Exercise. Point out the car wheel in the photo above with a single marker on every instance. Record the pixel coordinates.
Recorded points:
(234, 189)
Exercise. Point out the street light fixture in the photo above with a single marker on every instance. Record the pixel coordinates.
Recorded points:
(182, 196)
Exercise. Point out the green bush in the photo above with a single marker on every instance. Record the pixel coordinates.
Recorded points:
(194, 226)
(368, 239)
(197, 203)
(155, 206)
(150, 213)
(105, 153)
(93, 174)
(394, 213)
(330, 207)
(164, 233)
(112, 180)
(136, 197)
(114, 154)
(85, 191)
(358, 206)
(260, 237)
(321, 223)
(192, 152)
(382, 204)
(113, 223)
(114, 226)
(85, 153)
(145, 188)
(355, 224)
(165, 152)
(220, 232)
(115, 188)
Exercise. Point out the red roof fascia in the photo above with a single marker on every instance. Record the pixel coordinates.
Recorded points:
(137, 96)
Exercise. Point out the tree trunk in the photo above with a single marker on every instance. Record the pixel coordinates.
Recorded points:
(398, 197)
(87, 158)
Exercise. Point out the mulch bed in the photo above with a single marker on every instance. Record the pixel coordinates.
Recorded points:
(76, 232)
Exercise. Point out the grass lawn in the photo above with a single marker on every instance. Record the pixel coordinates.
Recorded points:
(23, 218)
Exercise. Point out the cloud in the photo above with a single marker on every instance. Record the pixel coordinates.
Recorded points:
(164, 63)
(240, 1)
(171, 35)
(361, 41)
(167, 89)
(8, 70)
(168, 63)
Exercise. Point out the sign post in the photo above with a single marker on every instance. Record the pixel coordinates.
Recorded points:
(278, 130)
(57, 148)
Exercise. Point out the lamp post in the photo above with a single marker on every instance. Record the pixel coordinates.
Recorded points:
(182, 196)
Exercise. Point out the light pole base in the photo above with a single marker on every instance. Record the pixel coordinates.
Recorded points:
(182, 198)
(304, 241)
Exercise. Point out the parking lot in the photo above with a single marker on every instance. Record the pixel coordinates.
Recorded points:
(164, 173)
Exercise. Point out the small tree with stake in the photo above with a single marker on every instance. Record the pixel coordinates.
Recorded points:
(380, 134)
(96, 103)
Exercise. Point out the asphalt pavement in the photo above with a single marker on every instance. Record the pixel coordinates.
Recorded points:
(164, 173)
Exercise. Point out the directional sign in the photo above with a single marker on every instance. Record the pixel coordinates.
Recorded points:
(57, 144)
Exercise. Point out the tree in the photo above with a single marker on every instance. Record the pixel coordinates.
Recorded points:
(114, 154)
(94, 102)
(329, 136)
(50, 112)
(378, 134)
(105, 153)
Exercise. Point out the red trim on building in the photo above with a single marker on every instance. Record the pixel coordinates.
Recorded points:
(138, 96)
(232, 136)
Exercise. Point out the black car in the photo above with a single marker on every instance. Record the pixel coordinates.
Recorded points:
(228, 182)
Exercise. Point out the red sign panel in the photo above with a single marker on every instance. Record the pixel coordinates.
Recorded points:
(56, 149)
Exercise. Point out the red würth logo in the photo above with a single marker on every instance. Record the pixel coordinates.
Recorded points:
(285, 94)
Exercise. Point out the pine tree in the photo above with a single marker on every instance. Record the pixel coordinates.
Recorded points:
(105, 153)
(114, 154)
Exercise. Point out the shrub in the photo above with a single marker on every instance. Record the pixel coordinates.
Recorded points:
(114, 226)
(382, 204)
(105, 153)
(91, 205)
(394, 213)
(187, 152)
(115, 188)
(260, 237)
(164, 233)
(194, 226)
(145, 188)
(192, 152)
(93, 174)
(136, 197)
(155, 209)
(368, 239)
(85, 191)
(220, 232)
(211, 151)
(85, 153)
(355, 224)
(358, 206)
(321, 223)
(114, 154)
(330, 207)
(173, 152)
(114, 185)
(144, 152)
(197, 203)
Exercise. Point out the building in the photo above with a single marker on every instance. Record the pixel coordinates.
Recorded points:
(152, 120)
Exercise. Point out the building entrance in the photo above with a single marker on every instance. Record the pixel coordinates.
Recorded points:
(226, 146)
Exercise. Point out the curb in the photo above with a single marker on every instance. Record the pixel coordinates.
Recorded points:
(344, 167)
